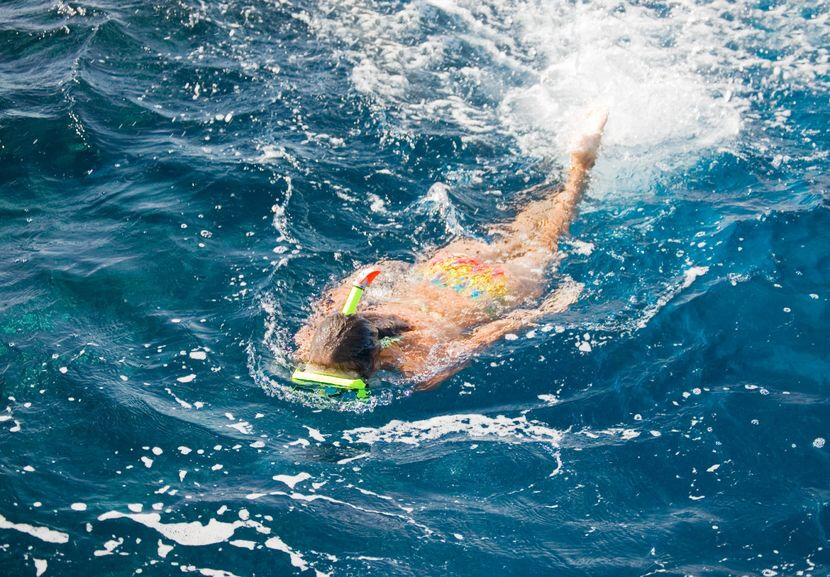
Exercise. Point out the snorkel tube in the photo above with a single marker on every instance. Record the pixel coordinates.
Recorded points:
(356, 294)
(314, 378)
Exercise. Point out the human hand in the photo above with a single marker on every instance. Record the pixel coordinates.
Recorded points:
(562, 298)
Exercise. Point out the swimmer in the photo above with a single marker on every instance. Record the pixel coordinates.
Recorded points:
(426, 320)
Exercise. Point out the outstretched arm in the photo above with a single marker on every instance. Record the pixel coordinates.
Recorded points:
(544, 221)
(557, 302)
(583, 156)
(459, 353)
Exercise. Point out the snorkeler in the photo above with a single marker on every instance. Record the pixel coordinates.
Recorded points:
(426, 320)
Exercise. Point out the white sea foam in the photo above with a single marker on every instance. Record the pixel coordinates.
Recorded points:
(689, 277)
(243, 427)
(624, 434)
(192, 534)
(693, 273)
(296, 558)
(348, 460)
(182, 403)
(645, 70)
(280, 221)
(470, 426)
(305, 498)
(163, 549)
(627, 60)
(315, 434)
(42, 533)
(674, 79)
(292, 480)
(206, 572)
(109, 547)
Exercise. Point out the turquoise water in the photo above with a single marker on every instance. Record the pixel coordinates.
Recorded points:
(179, 180)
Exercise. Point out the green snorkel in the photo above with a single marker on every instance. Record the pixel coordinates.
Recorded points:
(315, 378)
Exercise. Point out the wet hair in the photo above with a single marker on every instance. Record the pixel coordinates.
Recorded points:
(352, 343)
(345, 343)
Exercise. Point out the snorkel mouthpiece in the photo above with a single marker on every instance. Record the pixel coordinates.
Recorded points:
(313, 378)
(335, 383)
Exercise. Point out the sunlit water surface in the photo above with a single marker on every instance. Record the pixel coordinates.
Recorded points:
(178, 180)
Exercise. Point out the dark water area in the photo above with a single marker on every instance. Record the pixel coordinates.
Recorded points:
(180, 180)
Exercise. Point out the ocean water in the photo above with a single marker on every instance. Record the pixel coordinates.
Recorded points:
(180, 179)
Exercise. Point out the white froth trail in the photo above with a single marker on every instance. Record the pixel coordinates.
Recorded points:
(206, 572)
(196, 534)
(42, 533)
(192, 533)
(677, 80)
(471, 426)
(292, 480)
(296, 558)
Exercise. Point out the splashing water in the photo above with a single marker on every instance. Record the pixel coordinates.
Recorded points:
(180, 180)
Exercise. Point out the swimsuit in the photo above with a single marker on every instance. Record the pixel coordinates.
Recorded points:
(467, 276)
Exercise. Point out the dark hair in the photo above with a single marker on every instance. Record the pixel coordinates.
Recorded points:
(345, 343)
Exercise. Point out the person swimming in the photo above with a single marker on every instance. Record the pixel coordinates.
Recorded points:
(426, 320)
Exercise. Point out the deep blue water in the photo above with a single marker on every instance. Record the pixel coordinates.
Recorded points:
(179, 180)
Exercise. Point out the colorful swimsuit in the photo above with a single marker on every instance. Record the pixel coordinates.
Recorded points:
(467, 276)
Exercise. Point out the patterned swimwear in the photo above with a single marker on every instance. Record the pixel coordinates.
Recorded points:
(467, 276)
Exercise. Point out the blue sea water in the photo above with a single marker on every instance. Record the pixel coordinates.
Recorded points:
(180, 179)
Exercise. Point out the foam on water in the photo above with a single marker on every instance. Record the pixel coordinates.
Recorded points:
(206, 572)
(316, 497)
(191, 534)
(292, 480)
(391, 121)
(665, 74)
(296, 558)
(469, 426)
(646, 70)
(42, 533)
(196, 534)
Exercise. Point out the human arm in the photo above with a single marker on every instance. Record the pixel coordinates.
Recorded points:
(544, 221)
(583, 155)
(459, 353)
